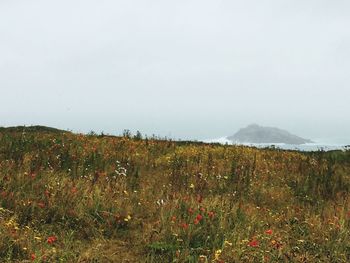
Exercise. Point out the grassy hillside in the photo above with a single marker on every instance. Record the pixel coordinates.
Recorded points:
(35, 128)
(83, 198)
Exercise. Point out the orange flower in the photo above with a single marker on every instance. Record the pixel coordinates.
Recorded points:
(269, 232)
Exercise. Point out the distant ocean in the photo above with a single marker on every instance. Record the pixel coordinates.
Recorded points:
(318, 145)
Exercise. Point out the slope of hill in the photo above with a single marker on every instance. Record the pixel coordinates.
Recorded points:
(68, 197)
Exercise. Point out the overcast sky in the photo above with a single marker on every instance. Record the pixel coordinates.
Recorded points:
(192, 69)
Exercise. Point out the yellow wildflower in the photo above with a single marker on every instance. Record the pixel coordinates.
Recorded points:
(218, 254)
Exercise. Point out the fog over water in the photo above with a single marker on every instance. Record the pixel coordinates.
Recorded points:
(315, 146)
(182, 69)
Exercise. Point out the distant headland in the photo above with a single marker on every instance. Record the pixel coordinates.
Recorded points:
(259, 134)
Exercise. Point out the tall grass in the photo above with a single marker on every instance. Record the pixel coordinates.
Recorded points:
(90, 198)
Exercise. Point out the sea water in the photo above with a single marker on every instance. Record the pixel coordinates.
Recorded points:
(318, 145)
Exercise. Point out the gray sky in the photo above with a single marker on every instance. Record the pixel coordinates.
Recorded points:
(187, 69)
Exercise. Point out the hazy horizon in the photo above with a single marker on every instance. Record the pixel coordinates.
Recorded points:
(184, 69)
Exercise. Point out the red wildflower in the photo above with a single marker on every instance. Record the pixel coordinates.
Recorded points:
(348, 214)
(74, 190)
(199, 217)
(190, 210)
(51, 240)
(32, 257)
(269, 232)
(14, 233)
(253, 243)
(211, 214)
(196, 221)
(173, 218)
(47, 193)
(202, 209)
(278, 245)
(184, 226)
(41, 205)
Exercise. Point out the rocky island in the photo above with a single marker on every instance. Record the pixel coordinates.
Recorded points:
(259, 134)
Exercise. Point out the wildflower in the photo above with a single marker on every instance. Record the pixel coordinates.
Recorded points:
(47, 193)
(277, 244)
(173, 219)
(41, 205)
(184, 226)
(211, 214)
(126, 219)
(253, 243)
(198, 218)
(203, 259)
(160, 202)
(32, 256)
(269, 232)
(190, 210)
(218, 254)
(228, 243)
(51, 240)
(74, 190)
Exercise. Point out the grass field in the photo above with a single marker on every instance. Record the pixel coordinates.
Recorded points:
(68, 197)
